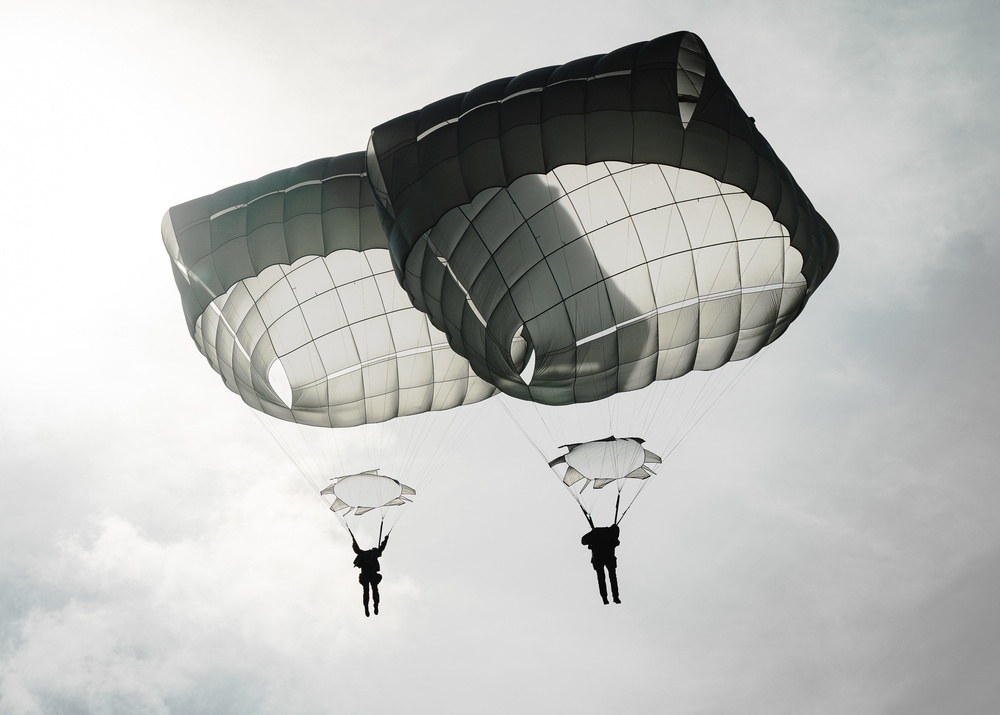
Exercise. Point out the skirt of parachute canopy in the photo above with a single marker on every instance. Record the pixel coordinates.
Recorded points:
(333, 341)
(604, 278)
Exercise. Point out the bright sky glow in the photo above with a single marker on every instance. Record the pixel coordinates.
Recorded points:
(825, 542)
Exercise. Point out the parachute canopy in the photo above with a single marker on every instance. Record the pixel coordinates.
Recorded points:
(584, 230)
(288, 290)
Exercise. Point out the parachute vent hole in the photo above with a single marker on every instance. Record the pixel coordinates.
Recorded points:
(278, 379)
(523, 355)
(691, 70)
(529, 369)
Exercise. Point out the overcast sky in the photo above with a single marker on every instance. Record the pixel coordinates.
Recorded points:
(826, 542)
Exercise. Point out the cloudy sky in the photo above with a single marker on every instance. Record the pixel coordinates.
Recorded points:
(826, 541)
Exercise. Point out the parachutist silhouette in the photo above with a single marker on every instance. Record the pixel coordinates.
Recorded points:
(367, 561)
(601, 541)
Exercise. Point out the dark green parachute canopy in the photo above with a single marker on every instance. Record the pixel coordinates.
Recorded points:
(609, 222)
(288, 290)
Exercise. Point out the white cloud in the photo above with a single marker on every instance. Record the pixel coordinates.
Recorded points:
(148, 623)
